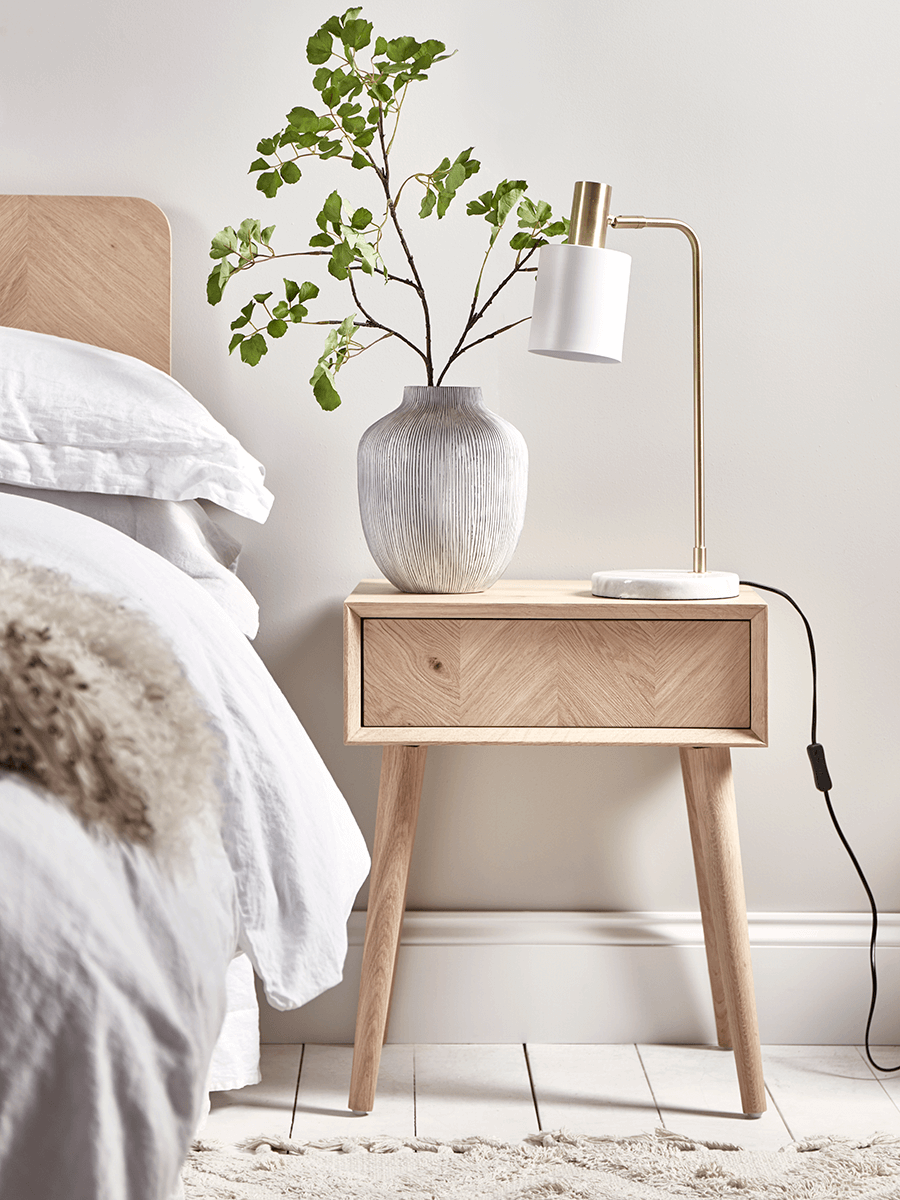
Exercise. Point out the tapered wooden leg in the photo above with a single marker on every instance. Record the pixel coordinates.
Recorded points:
(402, 769)
(713, 960)
(709, 785)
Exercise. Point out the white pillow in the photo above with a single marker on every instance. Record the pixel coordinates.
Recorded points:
(178, 530)
(79, 418)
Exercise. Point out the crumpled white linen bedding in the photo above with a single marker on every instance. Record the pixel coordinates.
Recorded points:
(112, 978)
(112, 992)
(297, 854)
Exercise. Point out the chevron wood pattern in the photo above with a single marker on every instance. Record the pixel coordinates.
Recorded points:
(95, 269)
(411, 672)
(556, 673)
(654, 673)
(509, 673)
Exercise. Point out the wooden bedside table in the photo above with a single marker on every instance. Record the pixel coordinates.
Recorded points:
(547, 663)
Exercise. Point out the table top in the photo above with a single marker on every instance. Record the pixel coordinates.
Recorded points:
(546, 598)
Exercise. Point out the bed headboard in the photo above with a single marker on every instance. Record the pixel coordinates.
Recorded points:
(92, 268)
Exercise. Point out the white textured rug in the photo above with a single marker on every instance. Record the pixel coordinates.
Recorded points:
(546, 1166)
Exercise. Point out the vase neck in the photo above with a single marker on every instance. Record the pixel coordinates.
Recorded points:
(442, 397)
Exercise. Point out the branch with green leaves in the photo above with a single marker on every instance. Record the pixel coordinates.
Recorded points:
(363, 88)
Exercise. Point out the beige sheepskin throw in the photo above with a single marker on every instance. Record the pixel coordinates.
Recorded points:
(95, 708)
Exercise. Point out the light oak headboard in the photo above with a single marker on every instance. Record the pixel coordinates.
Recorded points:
(96, 269)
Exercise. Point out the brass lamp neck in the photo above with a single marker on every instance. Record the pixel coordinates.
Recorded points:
(590, 214)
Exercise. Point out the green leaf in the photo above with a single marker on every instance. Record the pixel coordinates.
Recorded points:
(331, 209)
(360, 218)
(214, 285)
(508, 195)
(428, 203)
(248, 229)
(364, 139)
(276, 328)
(258, 164)
(430, 52)
(265, 235)
(308, 291)
(223, 243)
(356, 34)
(322, 239)
(324, 390)
(341, 258)
(321, 79)
(304, 120)
(302, 141)
(328, 149)
(262, 297)
(347, 327)
(291, 289)
(318, 48)
(496, 206)
(367, 253)
(290, 172)
(253, 348)
(281, 310)
(359, 161)
(455, 177)
(266, 146)
(398, 48)
(269, 183)
(380, 46)
(521, 240)
(531, 214)
(297, 313)
(483, 204)
(236, 341)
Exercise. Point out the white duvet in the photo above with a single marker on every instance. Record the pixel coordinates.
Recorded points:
(112, 978)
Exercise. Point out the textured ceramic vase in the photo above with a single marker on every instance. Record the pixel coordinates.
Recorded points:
(442, 484)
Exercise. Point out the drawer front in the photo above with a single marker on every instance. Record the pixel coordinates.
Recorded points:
(434, 672)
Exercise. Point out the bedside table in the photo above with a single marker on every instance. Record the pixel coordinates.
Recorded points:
(547, 663)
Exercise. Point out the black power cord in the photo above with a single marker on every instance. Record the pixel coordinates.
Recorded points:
(822, 779)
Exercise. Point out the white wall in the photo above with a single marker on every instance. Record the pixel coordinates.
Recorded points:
(771, 128)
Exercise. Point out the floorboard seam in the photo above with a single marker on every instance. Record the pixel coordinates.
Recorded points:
(637, 1051)
(777, 1108)
(534, 1099)
(297, 1089)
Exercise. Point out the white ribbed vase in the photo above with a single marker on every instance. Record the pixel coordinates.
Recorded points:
(442, 484)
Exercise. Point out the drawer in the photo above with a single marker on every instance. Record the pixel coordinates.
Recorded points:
(559, 673)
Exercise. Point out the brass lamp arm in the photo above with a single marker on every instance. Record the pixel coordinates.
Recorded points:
(697, 274)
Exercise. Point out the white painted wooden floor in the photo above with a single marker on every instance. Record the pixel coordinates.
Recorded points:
(508, 1092)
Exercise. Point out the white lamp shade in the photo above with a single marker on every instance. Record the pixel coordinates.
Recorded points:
(580, 300)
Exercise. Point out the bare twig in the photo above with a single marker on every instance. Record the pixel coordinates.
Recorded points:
(475, 316)
(371, 323)
(487, 337)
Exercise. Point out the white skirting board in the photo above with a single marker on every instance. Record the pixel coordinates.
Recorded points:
(497, 977)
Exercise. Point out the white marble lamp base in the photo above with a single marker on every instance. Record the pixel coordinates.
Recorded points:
(665, 585)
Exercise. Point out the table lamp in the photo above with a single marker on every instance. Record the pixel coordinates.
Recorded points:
(579, 313)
